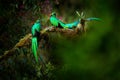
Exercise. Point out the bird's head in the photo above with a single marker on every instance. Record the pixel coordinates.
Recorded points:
(38, 21)
(53, 14)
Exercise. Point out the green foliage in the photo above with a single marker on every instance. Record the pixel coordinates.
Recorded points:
(23, 66)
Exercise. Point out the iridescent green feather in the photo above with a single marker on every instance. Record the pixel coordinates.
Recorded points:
(93, 19)
(36, 27)
(71, 25)
(35, 30)
(34, 48)
(56, 22)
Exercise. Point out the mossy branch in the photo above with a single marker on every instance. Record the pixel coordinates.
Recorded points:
(26, 40)
(23, 42)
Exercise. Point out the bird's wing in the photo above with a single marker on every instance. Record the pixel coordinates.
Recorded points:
(54, 21)
(38, 27)
(33, 30)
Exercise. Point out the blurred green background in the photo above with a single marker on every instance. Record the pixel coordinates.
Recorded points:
(91, 56)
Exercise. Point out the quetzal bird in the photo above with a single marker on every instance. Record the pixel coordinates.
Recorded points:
(55, 21)
(35, 34)
(58, 23)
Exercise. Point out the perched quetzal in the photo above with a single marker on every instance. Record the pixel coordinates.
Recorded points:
(35, 34)
(55, 21)
(58, 23)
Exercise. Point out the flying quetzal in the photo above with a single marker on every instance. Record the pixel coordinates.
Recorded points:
(35, 34)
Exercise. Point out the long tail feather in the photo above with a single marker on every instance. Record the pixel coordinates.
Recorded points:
(93, 19)
(34, 48)
(73, 24)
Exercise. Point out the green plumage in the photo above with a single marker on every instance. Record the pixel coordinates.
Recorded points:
(58, 23)
(35, 34)
(36, 28)
(71, 25)
(34, 48)
(55, 21)
(93, 19)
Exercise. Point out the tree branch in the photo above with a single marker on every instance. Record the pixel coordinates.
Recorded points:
(26, 41)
